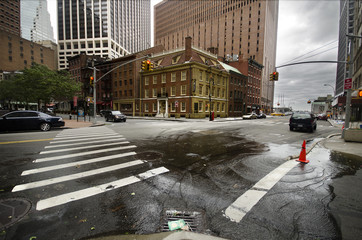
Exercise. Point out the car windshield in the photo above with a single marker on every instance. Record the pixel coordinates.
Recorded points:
(301, 115)
(116, 112)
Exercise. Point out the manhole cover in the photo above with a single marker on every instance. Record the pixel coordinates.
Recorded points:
(13, 210)
(194, 219)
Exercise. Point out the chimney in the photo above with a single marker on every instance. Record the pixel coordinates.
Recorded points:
(188, 51)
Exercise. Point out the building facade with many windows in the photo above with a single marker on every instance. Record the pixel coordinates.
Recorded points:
(110, 29)
(35, 21)
(232, 28)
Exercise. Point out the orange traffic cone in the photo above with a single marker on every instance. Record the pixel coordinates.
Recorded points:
(303, 155)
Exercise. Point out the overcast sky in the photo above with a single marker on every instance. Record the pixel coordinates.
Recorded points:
(305, 28)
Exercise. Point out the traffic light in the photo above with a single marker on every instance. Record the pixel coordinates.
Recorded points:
(91, 80)
(144, 65)
(274, 76)
(271, 77)
(150, 66)
(148, 62)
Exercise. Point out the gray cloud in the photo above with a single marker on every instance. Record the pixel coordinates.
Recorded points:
(305, 26)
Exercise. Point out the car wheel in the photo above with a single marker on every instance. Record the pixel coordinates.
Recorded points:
(106, 119)
(291, 128)
(124, 120)
(45, 126)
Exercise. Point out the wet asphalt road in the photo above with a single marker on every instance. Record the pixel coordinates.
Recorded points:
(210, 165)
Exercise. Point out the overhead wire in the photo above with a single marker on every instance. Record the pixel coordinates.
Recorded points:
(294, 59)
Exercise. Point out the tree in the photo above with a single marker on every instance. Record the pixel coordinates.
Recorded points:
(39, 84)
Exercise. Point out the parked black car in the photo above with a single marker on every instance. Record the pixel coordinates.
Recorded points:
(115, 116)
(261, 115)
(27, 120)
(303, 120)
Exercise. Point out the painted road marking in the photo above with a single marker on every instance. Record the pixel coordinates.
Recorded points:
(87, 137)
(26, 141)
(88, 192)
(50, 181)
(83, 139)
(79, 163)
(83, 153)
(238, 209)
(88, 142)
(84, 147)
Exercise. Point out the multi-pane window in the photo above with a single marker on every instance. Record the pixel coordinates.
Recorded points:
(146, 93)
(154, 107)
(154, 92)
(173, 91)
(147, 81)
(173, 107)
(218, 107)
(200, 89)
(207, 107)
(154, 79)
(183, 107)
(163, 78)
(183, 76)
(146, 107)
(183, 90)
(173, 77)
(200, 106)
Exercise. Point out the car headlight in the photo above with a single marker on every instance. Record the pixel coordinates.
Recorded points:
(60, 120)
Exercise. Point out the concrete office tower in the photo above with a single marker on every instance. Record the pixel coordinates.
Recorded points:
(35, 21)
(105, 28)
(230, 28)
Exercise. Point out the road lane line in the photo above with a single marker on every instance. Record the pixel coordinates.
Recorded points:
(241, 206)
(113, 139)
(84, 147)
(78, 163)
(88, 192)
(83, 153)
(26, 141)
(50, 181)
(83, 139)
(87, 137)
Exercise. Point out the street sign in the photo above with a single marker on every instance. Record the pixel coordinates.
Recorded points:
(348, 83)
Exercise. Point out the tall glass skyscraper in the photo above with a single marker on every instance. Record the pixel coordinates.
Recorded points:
(106, 28)
(35, 21)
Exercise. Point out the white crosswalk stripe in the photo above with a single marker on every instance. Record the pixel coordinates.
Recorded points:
(76, 148)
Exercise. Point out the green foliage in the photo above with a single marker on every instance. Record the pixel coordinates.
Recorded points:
(39, 83)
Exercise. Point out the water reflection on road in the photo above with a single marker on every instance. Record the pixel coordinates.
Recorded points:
(210, 169)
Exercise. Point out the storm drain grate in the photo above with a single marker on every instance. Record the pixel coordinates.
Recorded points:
(194, 219)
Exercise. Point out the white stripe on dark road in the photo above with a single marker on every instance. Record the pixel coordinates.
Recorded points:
(83, 153)
(85, 139)
(99, 140)
(84, 147)
(79, 163)
(87, 136)
(75, 176)
(88, 192)
(238, 209)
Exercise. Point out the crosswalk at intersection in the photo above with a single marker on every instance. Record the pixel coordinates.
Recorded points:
(85, 153)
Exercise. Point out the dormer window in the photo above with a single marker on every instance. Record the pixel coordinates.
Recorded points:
(176, 59)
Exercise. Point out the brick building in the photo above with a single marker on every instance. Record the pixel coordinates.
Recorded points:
(238, 84)
(252, 93)
(126, 81)
(186, 82)
(233, 28)
(10, 16)
(19, 53)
